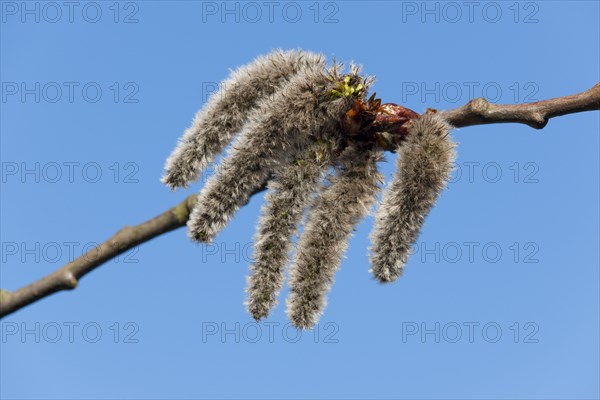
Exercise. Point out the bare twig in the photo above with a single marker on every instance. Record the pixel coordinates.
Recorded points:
(66, 277)
(476, 112)
(480, 111)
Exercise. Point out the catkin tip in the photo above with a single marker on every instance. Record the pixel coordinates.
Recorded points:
(425, 161)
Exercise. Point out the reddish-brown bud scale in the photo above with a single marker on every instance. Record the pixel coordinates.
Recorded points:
(384, 125)
(392, 118)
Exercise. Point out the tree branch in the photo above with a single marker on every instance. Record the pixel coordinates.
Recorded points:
(476, 112)
(66, 278)
(480, 111)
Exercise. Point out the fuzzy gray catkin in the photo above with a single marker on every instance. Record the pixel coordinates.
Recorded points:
(227, 110)
(336, 211)
(301, 110)
(289, 194)
(425, 161)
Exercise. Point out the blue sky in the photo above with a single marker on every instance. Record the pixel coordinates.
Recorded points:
(500, 299)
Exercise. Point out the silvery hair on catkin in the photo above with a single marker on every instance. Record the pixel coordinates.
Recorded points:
(305, 132)
(297, 114)
(228, 109)
(425, 161)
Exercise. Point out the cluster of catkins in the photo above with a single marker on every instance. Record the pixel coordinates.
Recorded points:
(284, 113)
